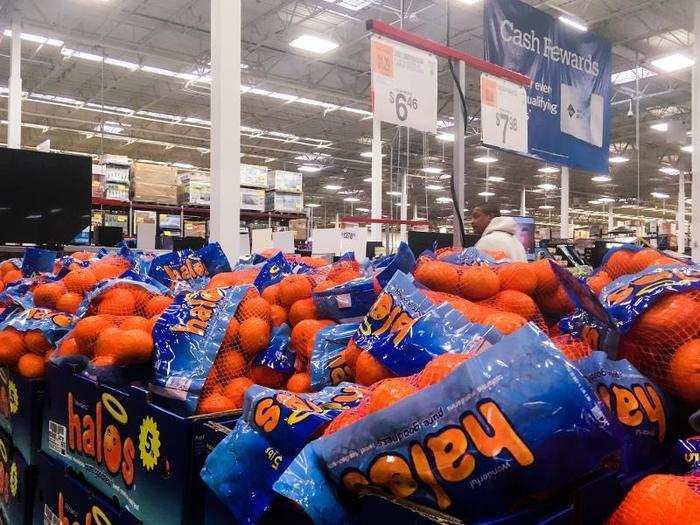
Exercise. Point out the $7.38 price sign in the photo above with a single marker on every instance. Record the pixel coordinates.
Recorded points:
(503, 114)
(404, 85)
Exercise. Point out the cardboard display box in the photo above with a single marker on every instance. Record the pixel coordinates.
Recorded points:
(254, 176)
(252, 199)
(132, 450)
(153, 183)
(194, 189)
(17, 482)
(289, 202)
(62, 498)
(21, 408)
(285, 181)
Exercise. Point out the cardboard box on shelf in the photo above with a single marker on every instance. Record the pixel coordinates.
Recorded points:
(98, 181)
(298, 227)
(116, 192)
(254, 176)
(285, 202)
(252, 199)
(21, 408)
(288, 181)
(153, 183)
(194, 188)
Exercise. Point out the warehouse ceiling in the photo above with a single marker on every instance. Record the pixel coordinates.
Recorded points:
(149, 97)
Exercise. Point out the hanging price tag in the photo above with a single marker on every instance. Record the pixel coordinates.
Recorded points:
(404, 85)
(503, 114)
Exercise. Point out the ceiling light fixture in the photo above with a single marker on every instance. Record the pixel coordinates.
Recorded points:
(351, 199)
(486, 159)
(688, 148)
(310, 169)
(601, 178)
(434, 187)
(605, 200)
(573, 23)
(547, 186)
(332, 187)
(36, 38)
(313, 44)
(443, 200)
(368, 154)
(505, 212)
(312, 205)
(486, 193)
(618, 159)
(446, 137)
(660, 126)
(432, 169)
(548, 169)
(673, 62)
(368, 179)
(394, 193)
(630, 75)
(183, 165)
(546, 207)
(668, 170)
(495, 178)
(660, 195)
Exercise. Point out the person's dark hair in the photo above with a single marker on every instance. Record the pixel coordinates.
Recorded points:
(490, 208)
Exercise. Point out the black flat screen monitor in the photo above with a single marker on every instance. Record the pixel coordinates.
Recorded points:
(45, 198)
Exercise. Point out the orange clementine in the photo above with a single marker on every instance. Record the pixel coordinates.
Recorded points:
(389, 392)
(517, 303)
(278, 315)
(683, 374)
(506, 322)
(68, 347)
(117, 301)
(271, 294)
(254, 307)
(104, 360)
(439, 368)
(69, 302)
(87, 330)
(254, 335)
(643, 259)
(556, 303)
(571, 347)
(345, 276)
(135, 322)
(299, 382)
(669, 322)
(368, 370)
(31, 366)
(236, 388)
(325, 285)
(350, 354)
(478, 282)
(438, 275)
(598, 281)
(620, 263)
(303, 335)
(302, 309)
(48, 295)
(136, 347)
(103, 270)
(80, 281)
(215, 403)
(230, 364)
(266, 376)
(231, 332)
(35, 342)
(12, 276)
(11, 346)
(7, 266)
(518, 276)
(292, 288)
(109, 341)
(667, 261)
(659, 499)
(157, 305)
(547, 280)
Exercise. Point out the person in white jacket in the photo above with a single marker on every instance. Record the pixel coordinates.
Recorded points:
(497, 233)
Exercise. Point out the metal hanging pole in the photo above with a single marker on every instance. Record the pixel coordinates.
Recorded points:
(14, 101)
(458, 153)
(376, 229)
(680, 214)
(564, 204)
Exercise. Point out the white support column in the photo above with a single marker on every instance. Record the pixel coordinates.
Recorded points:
(523, 208)
(564, 215)
(458, 153)
(376, 229)
(14, 101)
(611, 217)
(680, 214)
(225, 209)
(695, 188)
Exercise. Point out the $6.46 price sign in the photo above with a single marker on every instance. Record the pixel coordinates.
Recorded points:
(404, 85)
(503, 114)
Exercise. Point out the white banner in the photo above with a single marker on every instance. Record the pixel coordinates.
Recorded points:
(404, 85)
(503, 114)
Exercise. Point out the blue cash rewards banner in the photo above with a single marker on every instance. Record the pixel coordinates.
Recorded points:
(569, 97)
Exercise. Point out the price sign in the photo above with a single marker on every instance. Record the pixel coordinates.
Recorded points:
(404, 85)
(503, 114)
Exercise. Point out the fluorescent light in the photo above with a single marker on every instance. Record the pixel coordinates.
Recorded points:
(72, 53)
(394, 193)
(673, 62)
(183, 165)
(368, 154)
(606, 200)
(660, 126)
(601, 178)
(505, 212)
(688, 148)
(572, 23)
(547, 186)
(365, 210)
(668, 170)
(434, 187)
(660, 195)
(313, 205)
(310, 169)
(122, 63)
(36, 38)
(446, 137)
(630, 75)
(109, 128)
(495, 178)
(332, 187)
(313, 44)
(470, 2)
(431, 169)
(368, 179)
(443, 200)
(618, 159)
(351, 199)
(594, 202)
(445, 176)
(485, 159)
(548, 169)
(399, 204)
(546, 207)
(486, 193)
